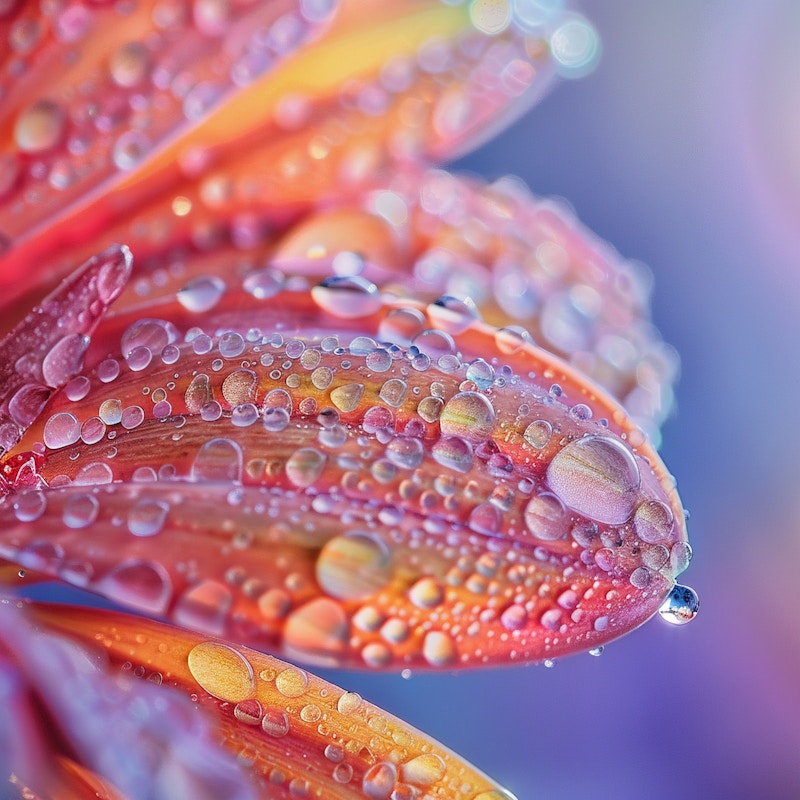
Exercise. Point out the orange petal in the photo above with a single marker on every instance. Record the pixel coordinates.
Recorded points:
(457, 497)
(299, 734)
(388, 84)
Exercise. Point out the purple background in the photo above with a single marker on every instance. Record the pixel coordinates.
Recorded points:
(683, 150)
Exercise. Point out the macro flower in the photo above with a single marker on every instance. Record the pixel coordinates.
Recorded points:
(255, 397)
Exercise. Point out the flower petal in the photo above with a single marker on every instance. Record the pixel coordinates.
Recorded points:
(297, 733)
(374, 485)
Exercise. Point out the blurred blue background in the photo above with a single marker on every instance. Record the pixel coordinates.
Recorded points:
(683, 150)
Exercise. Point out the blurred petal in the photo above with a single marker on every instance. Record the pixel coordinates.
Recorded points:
(298, 734)
(378, 484)
(148, 742)
(389, 84)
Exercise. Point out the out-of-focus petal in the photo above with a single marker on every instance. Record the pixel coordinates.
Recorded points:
(389, 84)
(365, 481)
(148, 742)
(298, 734)
(95, 94)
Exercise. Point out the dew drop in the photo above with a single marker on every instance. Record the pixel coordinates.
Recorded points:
(319, 629)
(40, 127)
(653, 521)
(439, 649)
(346, 398)
(347, 297)
(218, 460)
(80, 511)
(202, 293)
(538, 433)
(222, 672)
(275, 723)
(681, 605)
(468, 415)
(29, 506)
(291, 682)
(61, 430)
(596, 476)
(545, 517)
(353, 566)
(147, 517)
(304, 466)
(142, 585)
(204, 607)
(379, 780)
(424, 770)
(64, 359)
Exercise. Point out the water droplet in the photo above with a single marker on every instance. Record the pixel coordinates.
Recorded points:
(61, 430)
(154, 334)
(64, 359)
(231, 344)
(40, 127)
(353, 566)
(317, 630)
(129, 65)
(263, 283)
(80, 511)
(426, 593)
(291, 682)
(130, 149)
(596, 476)
(202, 294)
(275, 723)
(346, 398)
(379, 780)
(29, 506)
(218, 460)
(681, 605)
(423, 770)
(439, 649)
(538, 433)
(453, 452)
(468, 415)
(347, 297)
(222, 672)
(545, 517)
(147, 517)
(204, 607)
(249, 712)
(142, 585)
(653, 521)
(305, 466)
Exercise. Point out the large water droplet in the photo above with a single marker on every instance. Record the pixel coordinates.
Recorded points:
(681, 605)
(201, 294)
(222, 672)
(147, 517)
(348, 297)
(142, 585)
(353, 566)
(318, 630)
(468, 415)
(596, 476)
(218, 460)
